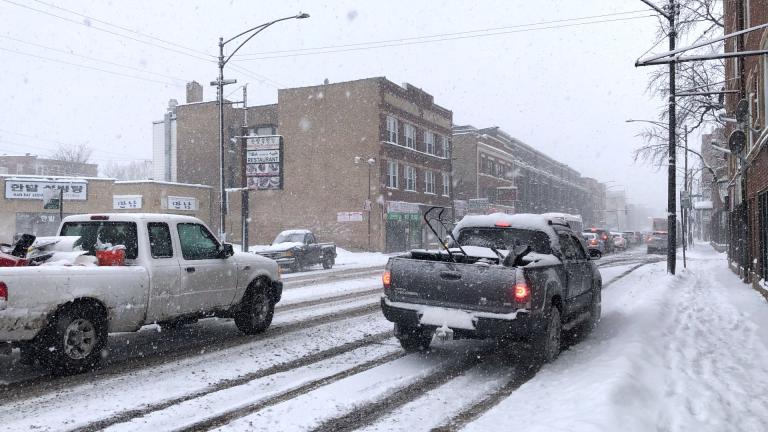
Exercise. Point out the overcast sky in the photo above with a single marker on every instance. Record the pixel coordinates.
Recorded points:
(566, 89)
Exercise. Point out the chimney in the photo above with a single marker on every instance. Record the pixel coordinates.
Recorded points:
(194, 92)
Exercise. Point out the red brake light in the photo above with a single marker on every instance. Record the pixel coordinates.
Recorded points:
(99, 217)
(503, 224)
(594, 242)
(521, 293)
(3, 291)
(594, 230)
(386, 279)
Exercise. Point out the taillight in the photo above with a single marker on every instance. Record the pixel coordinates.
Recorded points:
(3, 293)
(594, 242)
(521, 293)
(386, 279)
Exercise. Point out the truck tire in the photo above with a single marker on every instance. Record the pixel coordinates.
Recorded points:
(328, 263)
(74, 340)
(546, 346)
(296, 266)
(256, 310)
(413, 339)
(595, 309)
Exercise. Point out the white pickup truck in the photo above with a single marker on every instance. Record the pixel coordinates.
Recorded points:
(175, 271)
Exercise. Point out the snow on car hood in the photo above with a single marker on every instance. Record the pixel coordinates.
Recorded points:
(277, 247)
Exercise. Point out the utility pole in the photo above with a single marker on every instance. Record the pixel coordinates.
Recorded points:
(684, 209)
(244, 211)
(671, 176)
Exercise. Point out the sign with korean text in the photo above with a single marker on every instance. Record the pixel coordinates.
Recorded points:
(34, 189)
(126, 202)
(182, 203)
(349, 217)
(402, 207)
(264, 162)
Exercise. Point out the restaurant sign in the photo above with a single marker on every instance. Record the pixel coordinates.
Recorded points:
(264, 162)
(33, 189)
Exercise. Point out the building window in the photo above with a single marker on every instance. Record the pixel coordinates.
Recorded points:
(392, 129)
(429, 142)
(446, 148)
(410, 135)
(429, 182)
(392, 174)
(446, 184)
(410, 178)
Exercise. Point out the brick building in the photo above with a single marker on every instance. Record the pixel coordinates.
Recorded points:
(747, 180)
(326, 129)
(593, 213)
(496, 172)
(30, 164)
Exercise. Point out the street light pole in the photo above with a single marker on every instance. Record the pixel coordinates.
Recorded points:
(220, 83)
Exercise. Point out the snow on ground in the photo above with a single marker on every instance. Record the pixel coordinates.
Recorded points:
(106, 396)
(195, 410)
(672, 353)
(310, 409)
(330, 289)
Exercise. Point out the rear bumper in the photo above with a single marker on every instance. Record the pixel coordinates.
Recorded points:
(467, 323)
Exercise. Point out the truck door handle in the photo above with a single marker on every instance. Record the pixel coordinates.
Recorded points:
(190, 269)
(450, 275)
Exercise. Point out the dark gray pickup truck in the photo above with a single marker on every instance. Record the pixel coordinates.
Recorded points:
(514, 278)
(298, 249)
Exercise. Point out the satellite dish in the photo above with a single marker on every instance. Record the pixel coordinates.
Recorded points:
(736, 141)
(742, 111)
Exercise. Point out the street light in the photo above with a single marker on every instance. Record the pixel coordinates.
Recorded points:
(368, 204)
(220, 83)
(660, 124)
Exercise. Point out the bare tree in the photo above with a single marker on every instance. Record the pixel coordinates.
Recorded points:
(133, 170)
(78, 153)
(697, 20)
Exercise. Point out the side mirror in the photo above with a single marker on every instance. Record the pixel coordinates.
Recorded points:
(226, 251)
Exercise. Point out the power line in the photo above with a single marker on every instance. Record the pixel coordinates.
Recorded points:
(91, 67)
(451, 36)
(53, 141)
(124, 28)
(108, 31)
(92, 58)
(207, 57)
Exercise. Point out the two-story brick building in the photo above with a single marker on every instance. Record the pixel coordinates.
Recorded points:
(338, 139)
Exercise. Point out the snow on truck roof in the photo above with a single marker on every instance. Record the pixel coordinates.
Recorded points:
(296, 231)
(133, 217)
(526, 221)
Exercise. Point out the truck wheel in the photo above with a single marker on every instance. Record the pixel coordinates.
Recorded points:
(75, 340)
(296, 266)
(595, 309)
(413, 339)
(328, 263)
(546, 346)
(256, 311)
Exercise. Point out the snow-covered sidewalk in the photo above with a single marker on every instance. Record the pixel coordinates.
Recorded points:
(672, 353)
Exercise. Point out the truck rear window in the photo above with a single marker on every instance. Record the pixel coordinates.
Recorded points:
(93, 233)
(505, 238)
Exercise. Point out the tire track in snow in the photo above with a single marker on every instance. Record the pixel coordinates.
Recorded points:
(227, 417)
(366, 414)
(230, 383)
(216, 340)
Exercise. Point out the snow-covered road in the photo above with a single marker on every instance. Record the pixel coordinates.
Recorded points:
(671, 353)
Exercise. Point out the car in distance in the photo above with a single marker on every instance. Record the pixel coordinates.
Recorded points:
(298, 249)
(657, 242)
(594, 244)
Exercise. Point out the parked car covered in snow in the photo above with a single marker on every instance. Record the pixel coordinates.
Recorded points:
(514, 278)
(657, 242)
(174, 271)
(298, 249)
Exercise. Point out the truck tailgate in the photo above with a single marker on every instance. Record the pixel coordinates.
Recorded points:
(455, 285)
